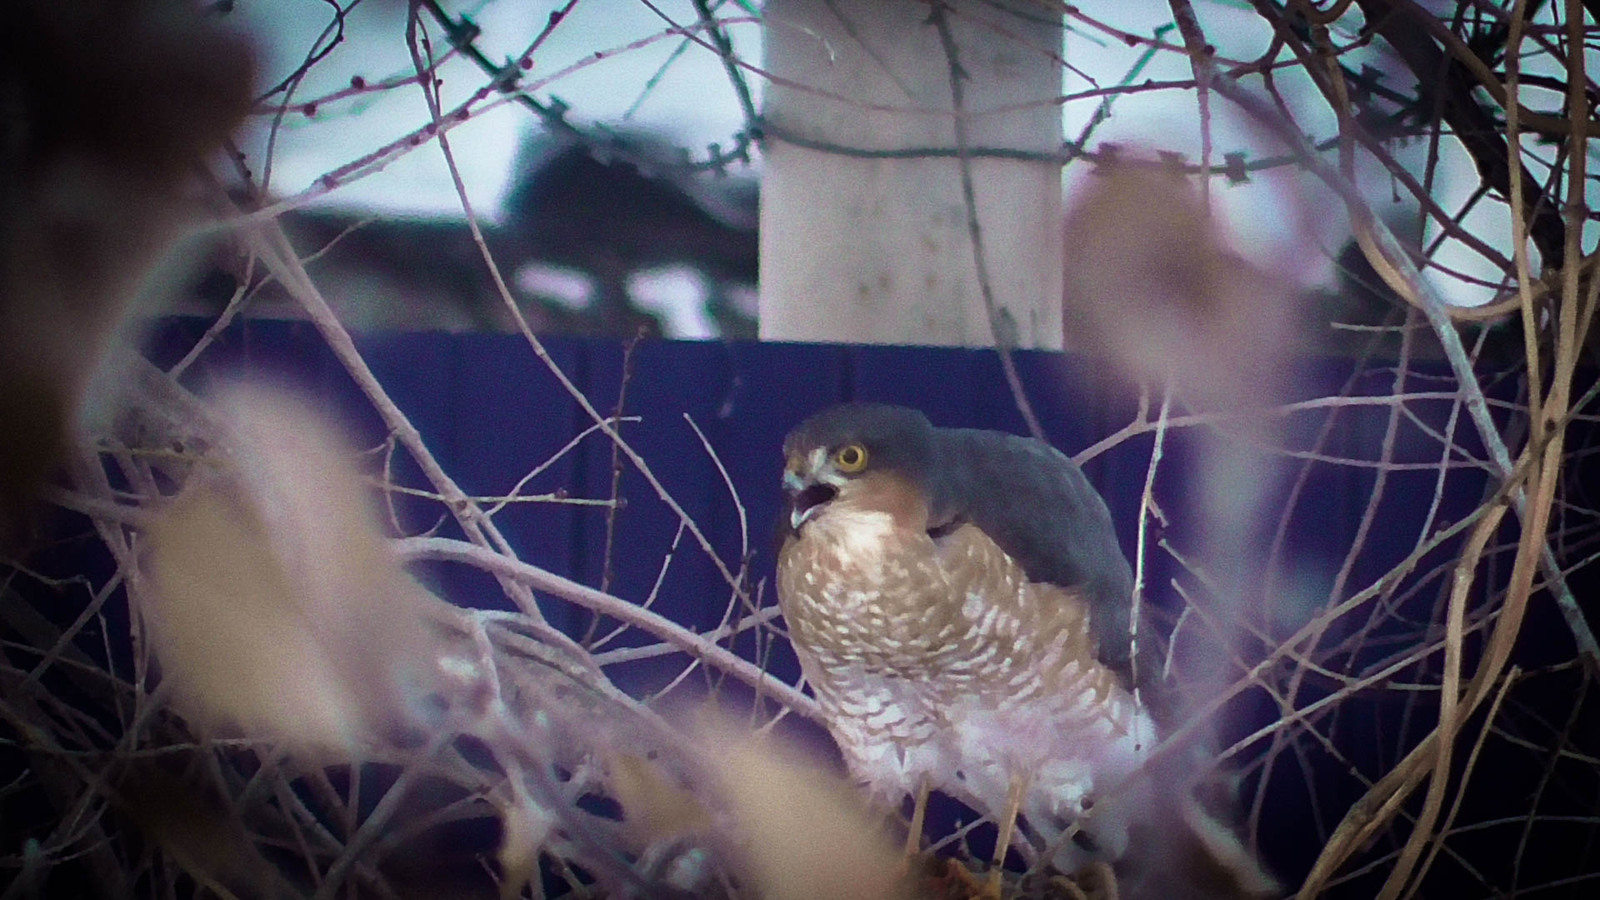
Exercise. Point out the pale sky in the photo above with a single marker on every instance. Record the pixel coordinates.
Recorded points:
(692, 103)
(1279, 217)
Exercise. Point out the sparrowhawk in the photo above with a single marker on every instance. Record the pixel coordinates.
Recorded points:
(961, 608)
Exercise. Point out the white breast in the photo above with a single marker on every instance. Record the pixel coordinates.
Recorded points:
(888, 730)
(859, 537)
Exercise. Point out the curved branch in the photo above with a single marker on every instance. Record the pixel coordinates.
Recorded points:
(695, 645)
(1450, 81)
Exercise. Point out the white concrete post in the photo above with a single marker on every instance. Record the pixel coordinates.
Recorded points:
(878, 250)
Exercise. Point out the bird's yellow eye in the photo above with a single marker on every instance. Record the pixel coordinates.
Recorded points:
(850, 458)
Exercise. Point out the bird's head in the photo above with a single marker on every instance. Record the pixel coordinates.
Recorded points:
(861, 456)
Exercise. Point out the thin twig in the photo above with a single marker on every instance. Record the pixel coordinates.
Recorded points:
(1003, 334)
(1391, 260)
(1200, 52)
(699, 646)
(537, 345)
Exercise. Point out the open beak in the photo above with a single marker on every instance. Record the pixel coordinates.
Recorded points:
(805, 483)
(807, 500)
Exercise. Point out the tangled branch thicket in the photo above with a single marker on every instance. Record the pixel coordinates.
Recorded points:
(1431, 725)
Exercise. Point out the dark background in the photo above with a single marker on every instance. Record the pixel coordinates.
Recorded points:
(490, 411)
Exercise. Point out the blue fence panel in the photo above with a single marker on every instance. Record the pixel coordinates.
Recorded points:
(491, 411)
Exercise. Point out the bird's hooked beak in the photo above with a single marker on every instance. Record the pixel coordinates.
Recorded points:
(809, 482)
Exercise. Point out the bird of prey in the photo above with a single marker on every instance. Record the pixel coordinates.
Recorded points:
(961, 609)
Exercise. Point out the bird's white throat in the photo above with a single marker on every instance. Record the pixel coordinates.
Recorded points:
(858, 534)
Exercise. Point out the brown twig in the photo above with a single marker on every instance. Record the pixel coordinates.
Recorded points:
(1392, 262)
(1200, 52)
(1450, 78)
(1002, 332)
(699, 646)
(537, 345)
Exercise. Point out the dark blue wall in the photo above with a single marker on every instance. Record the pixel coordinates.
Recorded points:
(491, 411)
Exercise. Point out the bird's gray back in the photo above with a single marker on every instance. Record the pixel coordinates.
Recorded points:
(1040, 508)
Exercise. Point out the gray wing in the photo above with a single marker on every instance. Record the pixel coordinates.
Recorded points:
(1037, 505)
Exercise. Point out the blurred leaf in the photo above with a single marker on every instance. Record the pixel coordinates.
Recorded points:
(525, 828)
(806, 833)
(1155, 286)
(656, 808)
(194, 826)
(107, 106)
(277, 608)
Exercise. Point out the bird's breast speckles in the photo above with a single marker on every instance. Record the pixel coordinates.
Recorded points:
(858, 587)
(918, 647)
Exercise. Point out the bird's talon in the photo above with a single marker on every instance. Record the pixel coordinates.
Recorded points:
(958, 881)
(1096, 881)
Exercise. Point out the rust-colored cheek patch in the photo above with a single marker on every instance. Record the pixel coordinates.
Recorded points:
(891, 493)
